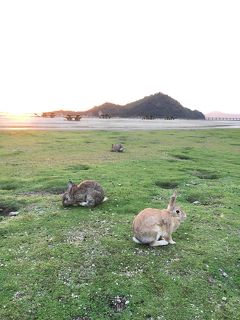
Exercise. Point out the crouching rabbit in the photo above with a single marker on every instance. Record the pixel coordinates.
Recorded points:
(88, 193)
(118, 147)
(155, 227)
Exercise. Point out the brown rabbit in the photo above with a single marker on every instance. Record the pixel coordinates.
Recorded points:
(88, 193)
(155, 227)
(118, 147)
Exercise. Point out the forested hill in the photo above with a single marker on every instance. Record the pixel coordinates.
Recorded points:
(158, 105)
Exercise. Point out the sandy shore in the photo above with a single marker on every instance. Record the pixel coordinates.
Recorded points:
(115, 124)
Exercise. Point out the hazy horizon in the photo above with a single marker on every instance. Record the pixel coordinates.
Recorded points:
(74, 55)
(83, 110)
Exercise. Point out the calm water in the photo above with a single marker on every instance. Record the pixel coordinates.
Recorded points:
(29, 122)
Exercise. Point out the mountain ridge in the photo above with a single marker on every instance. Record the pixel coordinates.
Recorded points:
(157, 105)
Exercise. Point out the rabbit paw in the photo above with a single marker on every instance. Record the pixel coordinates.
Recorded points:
(83, 204)
(158, 243)
(163, 242)
(172, 242)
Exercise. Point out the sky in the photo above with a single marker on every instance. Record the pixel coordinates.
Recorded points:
(76, 54)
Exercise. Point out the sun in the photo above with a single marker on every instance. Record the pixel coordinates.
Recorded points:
(19, 114)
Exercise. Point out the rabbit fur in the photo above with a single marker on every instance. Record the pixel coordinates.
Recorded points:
(88, 193)
(155, 227)
(118, 147)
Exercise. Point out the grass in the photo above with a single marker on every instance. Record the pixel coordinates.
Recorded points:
(80, 264)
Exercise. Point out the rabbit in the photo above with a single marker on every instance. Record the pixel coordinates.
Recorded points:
(88, 193)
(118, 147)
(155, 227)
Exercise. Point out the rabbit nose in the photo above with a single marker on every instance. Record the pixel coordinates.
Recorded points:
(66, 204)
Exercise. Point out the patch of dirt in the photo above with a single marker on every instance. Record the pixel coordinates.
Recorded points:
(182, 156)
(81, 318)
(94, 230)
(4, 210)
(119, 303)
(166, 184)
(205, 174)
(76, 237)
(235, 144)
(46, 192)
(78, 167)
(205, 200)
(55, 190)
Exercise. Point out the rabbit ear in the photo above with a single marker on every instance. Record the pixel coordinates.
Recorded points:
(172, 201)
(69, 186)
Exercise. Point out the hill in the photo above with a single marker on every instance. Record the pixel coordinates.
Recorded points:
(158, 105)
(107, 108)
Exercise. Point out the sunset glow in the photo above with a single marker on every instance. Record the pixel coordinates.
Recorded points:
(19, 116)
(74, 55)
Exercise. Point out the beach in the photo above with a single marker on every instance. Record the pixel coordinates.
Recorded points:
(8, 122)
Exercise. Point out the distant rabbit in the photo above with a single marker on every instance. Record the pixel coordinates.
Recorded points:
(155, 227)
(118, 147)
(88, 193)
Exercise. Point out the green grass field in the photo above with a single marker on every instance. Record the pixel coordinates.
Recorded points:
(80, 264)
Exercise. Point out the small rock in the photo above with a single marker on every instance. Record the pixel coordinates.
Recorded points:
(18, 295)
(224, 274)
(196, 202)
(205, 267)
(13, 213)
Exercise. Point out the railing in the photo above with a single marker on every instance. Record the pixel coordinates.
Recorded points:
(223, 119)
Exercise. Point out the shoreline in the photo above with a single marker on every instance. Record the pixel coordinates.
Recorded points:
(112, 124)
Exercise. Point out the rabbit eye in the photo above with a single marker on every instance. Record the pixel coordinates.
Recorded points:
(177, 211)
